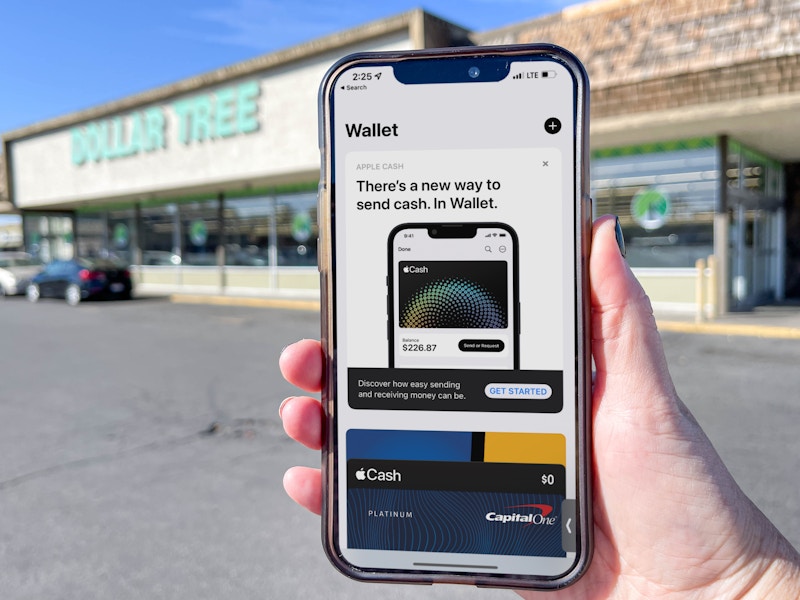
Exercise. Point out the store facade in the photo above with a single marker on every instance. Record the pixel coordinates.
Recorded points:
(209, 184)
(708, 201)
(695, 141)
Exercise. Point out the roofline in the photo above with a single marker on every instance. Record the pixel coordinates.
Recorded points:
(413, 20)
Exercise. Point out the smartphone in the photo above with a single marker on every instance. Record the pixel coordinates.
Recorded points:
(453, 296)
(455, 231)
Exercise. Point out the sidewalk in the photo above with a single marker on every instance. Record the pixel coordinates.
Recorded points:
(778, 321)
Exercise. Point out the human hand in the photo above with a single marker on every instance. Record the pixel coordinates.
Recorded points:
(670, 522)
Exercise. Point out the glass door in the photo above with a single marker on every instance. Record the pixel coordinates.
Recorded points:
(753, 257)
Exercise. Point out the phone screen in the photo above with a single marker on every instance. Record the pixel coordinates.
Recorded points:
(455, 297)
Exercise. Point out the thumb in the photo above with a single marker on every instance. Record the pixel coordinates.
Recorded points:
(626, 347)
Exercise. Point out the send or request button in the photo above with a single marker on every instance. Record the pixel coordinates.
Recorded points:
(518, 391)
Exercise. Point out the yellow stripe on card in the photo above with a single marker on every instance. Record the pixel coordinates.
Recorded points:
(533, 448)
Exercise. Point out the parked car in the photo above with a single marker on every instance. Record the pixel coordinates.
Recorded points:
(16, 271)
(80, 279)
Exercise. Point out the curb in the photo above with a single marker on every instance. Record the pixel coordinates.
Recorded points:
(732, 329)
(291, 304)
(761, 331)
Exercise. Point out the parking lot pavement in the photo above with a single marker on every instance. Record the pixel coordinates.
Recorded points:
(143, 454)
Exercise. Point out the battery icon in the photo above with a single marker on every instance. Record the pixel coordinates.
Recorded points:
(548, 74)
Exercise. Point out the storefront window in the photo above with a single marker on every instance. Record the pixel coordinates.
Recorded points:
(665, 196)
(91, 238)
(121, 232)
(751, 171)
(248, 226)
(297, 229)
(200, 232)
(161, 242)
(49, 237)
(258, 232)
(107, 234)
(267, 231)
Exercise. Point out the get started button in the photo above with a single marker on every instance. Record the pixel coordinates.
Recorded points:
(518, 391)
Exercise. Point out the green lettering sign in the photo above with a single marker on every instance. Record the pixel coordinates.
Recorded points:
(154, 129)
(118, 136)
(247, 107)
(224, 113)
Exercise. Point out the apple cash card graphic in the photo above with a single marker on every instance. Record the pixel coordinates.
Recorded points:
(464, 492)
(453, 294)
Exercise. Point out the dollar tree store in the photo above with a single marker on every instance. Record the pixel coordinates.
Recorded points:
(209, 184)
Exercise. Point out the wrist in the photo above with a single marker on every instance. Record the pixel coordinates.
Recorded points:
(780, 576)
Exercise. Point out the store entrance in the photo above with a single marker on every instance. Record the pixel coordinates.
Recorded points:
(754, 197)
(755, 237)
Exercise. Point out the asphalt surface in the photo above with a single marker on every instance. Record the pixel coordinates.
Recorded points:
(142, 454)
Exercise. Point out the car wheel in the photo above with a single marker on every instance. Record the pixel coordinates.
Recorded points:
(73, 294)
(32, 292)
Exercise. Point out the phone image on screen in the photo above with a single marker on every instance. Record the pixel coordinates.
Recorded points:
(454, 238)
(453, 296)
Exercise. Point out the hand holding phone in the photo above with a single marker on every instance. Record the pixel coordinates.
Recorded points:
(672, 503)
(454, 240)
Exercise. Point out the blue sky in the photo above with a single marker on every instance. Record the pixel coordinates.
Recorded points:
(59, 56)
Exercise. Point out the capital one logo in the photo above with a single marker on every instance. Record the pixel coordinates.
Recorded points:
(529, 518)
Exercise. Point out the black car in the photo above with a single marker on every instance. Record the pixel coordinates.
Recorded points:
(81, 279)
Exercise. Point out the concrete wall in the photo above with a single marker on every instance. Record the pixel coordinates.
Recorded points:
(284, 148)
(670, 290)
(257, 281)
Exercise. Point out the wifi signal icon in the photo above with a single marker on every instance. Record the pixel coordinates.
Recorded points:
(517, 76)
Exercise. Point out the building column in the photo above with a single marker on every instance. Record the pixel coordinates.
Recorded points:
(273, 246)
(136, 235)
(177, 242)
(721, 229)
(220, 250)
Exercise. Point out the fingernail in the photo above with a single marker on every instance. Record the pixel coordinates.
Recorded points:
(619, 236)
(280, 408)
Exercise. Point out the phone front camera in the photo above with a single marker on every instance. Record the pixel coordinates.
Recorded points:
(474, 72)
(434, 232)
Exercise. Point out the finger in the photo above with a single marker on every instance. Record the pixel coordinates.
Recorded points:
(302, 364)
(304, 486)
(626, 346)
(302, 419)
